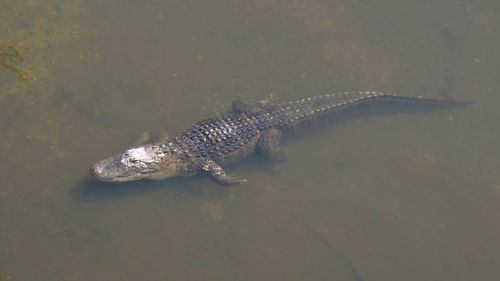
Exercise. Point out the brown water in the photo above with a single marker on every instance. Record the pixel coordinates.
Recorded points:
(394, 197)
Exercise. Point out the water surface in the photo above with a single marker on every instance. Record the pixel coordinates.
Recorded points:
(391, 197)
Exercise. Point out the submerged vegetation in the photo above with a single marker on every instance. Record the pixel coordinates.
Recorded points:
(12, 57)
(35, 37)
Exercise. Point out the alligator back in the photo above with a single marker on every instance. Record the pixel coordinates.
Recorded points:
(223, 139)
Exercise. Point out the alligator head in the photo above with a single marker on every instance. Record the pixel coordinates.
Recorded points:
(152, 161)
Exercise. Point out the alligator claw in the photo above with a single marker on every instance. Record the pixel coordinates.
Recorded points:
(219, 175)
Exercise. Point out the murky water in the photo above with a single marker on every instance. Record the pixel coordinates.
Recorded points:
(393, 197)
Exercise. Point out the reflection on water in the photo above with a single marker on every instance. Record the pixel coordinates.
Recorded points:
(392, 197)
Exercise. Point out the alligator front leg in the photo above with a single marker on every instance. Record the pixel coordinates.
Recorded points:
(149, 137)
(219, 175)
(268, 145)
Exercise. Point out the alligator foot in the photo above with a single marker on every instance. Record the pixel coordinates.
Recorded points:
(268, 145)
(219, 175)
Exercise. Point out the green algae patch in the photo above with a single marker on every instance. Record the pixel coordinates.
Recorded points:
(12, 58)
(35, 38)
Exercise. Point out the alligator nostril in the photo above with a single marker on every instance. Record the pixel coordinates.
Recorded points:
(93, 172)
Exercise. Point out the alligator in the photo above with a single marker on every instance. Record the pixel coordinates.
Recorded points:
(214, 142)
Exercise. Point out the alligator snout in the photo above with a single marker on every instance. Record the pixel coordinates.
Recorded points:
(109, 170)
(93, 172)
(100, 171)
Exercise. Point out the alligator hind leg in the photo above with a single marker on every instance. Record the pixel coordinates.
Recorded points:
(268, 145)
(219, 175)
(243, 106)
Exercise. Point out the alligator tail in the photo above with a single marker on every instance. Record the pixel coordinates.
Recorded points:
(364, 102)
